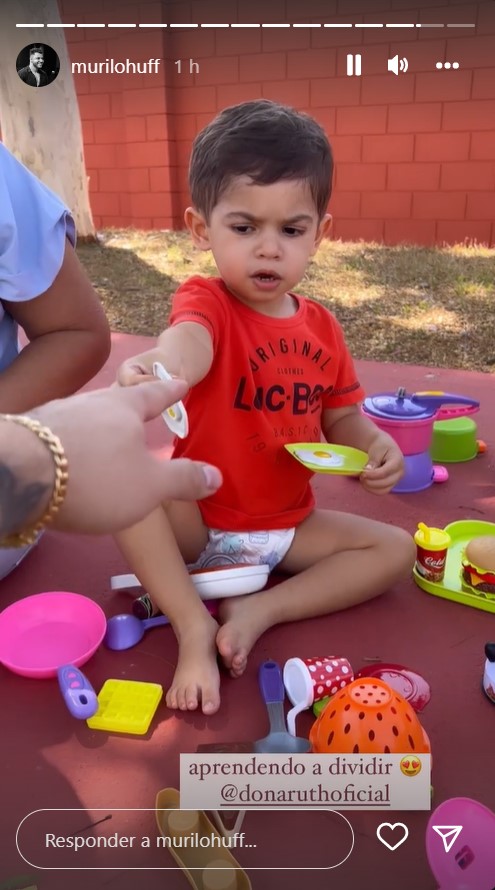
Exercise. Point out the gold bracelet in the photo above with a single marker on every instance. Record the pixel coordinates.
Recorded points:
(53, 443)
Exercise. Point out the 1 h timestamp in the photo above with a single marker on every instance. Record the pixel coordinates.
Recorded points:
(186, 66)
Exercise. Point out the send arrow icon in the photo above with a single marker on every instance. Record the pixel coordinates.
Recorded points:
(448, 833)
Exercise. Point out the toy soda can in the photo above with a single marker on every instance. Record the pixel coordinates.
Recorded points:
(432, 545)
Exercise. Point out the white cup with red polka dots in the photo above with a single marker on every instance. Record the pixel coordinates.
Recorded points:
(307, 680)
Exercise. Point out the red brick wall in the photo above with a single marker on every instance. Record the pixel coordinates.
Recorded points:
(414, 153)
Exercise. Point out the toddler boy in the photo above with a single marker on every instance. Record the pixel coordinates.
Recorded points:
(266, 367)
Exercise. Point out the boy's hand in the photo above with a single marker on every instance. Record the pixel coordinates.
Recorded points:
(139, 368)
(385, 465)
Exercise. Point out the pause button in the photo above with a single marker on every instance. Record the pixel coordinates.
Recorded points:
(353, 65)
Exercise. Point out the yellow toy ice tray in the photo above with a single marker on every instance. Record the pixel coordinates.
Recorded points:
(126, 706)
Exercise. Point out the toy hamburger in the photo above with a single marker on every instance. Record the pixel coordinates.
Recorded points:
(478, 566)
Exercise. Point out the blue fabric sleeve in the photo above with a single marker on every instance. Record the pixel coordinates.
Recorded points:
(34, 223)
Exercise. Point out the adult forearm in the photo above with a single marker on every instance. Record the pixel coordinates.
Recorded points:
(27, 477)
(50, 367)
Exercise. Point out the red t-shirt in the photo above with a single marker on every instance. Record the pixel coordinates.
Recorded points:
(268, 384)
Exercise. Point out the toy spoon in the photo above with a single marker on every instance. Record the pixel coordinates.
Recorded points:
(124, 631)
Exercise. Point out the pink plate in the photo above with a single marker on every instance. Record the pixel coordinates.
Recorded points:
(412, 686)
(41, 633)
(469, 863)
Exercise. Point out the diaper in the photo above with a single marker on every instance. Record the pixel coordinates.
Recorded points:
(249, 548)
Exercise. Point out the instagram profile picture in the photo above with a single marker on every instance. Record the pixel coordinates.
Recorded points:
(38, 65)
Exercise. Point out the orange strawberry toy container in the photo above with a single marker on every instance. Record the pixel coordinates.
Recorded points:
(368, 717)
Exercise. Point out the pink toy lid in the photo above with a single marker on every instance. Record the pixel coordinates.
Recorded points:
(412, 686)
(469, 861)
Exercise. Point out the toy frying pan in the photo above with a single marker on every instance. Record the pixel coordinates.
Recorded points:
(320, 457)
(464, 859)
(176, 416)
(42, 632)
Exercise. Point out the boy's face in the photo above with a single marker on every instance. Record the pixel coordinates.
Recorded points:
(261, 237)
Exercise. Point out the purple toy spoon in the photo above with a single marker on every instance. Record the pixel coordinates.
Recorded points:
(125, 631)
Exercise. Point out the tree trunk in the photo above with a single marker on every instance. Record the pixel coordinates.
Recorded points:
(42, 126)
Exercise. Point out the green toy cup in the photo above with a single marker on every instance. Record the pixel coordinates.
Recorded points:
(320, 704)
(454, 441)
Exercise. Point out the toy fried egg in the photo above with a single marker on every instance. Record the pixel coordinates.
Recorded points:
(322, 457)
(325, 459)
(176, 415)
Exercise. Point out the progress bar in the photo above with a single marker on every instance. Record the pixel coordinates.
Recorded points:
(246, 25)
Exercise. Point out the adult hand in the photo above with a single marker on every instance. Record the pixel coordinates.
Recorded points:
(114, 480)
(385, 465)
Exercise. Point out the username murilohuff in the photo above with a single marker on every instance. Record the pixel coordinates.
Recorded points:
(111, 66)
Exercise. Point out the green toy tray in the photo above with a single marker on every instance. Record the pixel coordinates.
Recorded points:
(451, 587)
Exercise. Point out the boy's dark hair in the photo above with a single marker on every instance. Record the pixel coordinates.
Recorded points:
(36, 49)
(266, 141)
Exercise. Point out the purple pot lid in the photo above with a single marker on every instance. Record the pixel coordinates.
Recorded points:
(412, 686)
(399, 406)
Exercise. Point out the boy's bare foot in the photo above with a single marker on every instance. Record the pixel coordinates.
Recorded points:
(196, 679)
(241, 625)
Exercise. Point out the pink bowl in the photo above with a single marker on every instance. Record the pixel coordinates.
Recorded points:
(41, 633)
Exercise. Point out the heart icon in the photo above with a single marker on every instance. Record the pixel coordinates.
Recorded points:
(397, 826)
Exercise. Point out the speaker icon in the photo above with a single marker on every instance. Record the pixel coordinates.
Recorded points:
(397, 65)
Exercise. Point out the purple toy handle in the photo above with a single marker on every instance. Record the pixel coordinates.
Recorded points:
(155, 622)
(77, 692)
(446, 398)
(271, 682)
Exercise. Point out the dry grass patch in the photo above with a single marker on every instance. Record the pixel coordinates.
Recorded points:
(416, 305)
